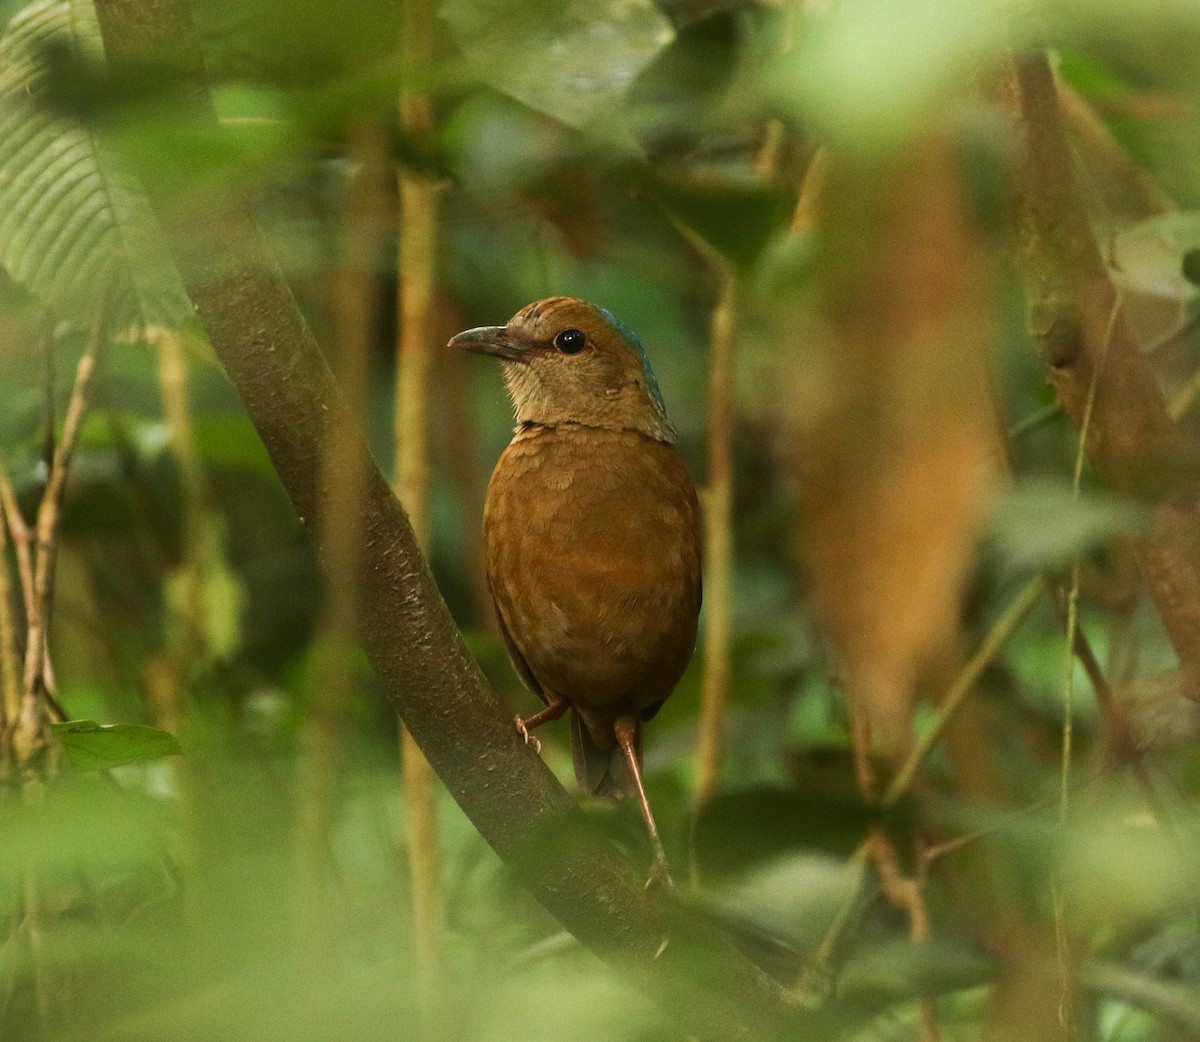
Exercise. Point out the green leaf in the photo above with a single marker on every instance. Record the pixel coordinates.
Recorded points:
(96, 747)
(1040, 523)
(869, 73)
(74, 225)
(573, 60)
(738, 217)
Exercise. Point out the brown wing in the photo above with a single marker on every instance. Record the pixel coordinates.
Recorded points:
(514, 653)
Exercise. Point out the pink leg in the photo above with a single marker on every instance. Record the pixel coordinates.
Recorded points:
(524, 725)
(626, 731)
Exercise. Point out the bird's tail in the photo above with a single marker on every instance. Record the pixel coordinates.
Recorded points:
(602, 772)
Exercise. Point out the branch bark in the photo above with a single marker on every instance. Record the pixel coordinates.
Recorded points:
(1080, 329)
(407, 633)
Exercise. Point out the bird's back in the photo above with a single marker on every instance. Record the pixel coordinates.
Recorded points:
(593, 554)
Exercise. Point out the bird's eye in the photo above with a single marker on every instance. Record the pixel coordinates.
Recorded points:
(570, 341)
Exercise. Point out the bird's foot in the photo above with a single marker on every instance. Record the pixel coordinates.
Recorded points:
(524, 732)
(660, 876)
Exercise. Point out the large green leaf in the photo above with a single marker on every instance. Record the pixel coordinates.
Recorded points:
(1040, 523)
(571, 59)
(96, 747)
(74, 226)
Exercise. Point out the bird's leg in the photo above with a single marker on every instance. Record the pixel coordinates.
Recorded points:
(556, 707)
(660, 871)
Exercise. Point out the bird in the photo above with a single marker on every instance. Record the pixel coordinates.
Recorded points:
(592, 538)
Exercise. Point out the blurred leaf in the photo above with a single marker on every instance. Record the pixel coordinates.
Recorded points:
(207, 594)
(738, 830)
(1120, 868)
(788, 901)
(892, 441)
(1176, 1001)
(673, 99)
(97, 747)
(1150, 256)
(572, 60)
(74, 226)
(904, 970)
(1039, 523)
(738, 217)
(869, 72)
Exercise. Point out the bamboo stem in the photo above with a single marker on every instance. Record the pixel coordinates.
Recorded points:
(416, 278)
(718, 549)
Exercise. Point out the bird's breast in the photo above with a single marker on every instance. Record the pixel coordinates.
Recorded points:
(593, 552)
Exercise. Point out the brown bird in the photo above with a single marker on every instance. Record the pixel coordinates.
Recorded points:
(592, 536)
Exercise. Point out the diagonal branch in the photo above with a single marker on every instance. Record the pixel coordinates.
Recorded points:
(1080, 329)
(406, 630)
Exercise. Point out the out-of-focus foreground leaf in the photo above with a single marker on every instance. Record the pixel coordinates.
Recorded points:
(74, 226)
(573, 61)
(96, 747)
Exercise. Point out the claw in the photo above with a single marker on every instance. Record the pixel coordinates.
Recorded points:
(662, 947)
(660, 876)
(523, 731)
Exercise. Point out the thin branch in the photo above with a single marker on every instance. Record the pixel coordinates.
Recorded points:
(29, 736)
(10, 668)
(417, 279)
(1001, 630)
(22, 537)
(718, 549)
(406, 629)
(1068, 728)
(50, 509)
(1102, 146)
(832, 938)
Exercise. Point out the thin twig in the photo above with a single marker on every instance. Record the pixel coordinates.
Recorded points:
(1073, 592)
(1100, 144)
(718, 550)
(417, 281)
(1001, 630)
(10, 669)
(818, 964)
(29, 735)
(22, 537)
(50, 509)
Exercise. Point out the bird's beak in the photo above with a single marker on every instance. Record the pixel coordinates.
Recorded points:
(490, 340)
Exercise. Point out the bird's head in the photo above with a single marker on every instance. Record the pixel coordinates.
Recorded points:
(568, 361)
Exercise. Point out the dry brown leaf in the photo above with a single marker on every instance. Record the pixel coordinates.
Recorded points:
(893, 456)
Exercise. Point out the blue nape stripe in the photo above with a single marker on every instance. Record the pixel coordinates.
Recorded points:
(632, 339)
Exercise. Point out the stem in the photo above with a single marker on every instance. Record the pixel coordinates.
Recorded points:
(31, 736)
(1001, 630)
(22, 538)
(718, 550)
(10, 669)
(416, 271)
